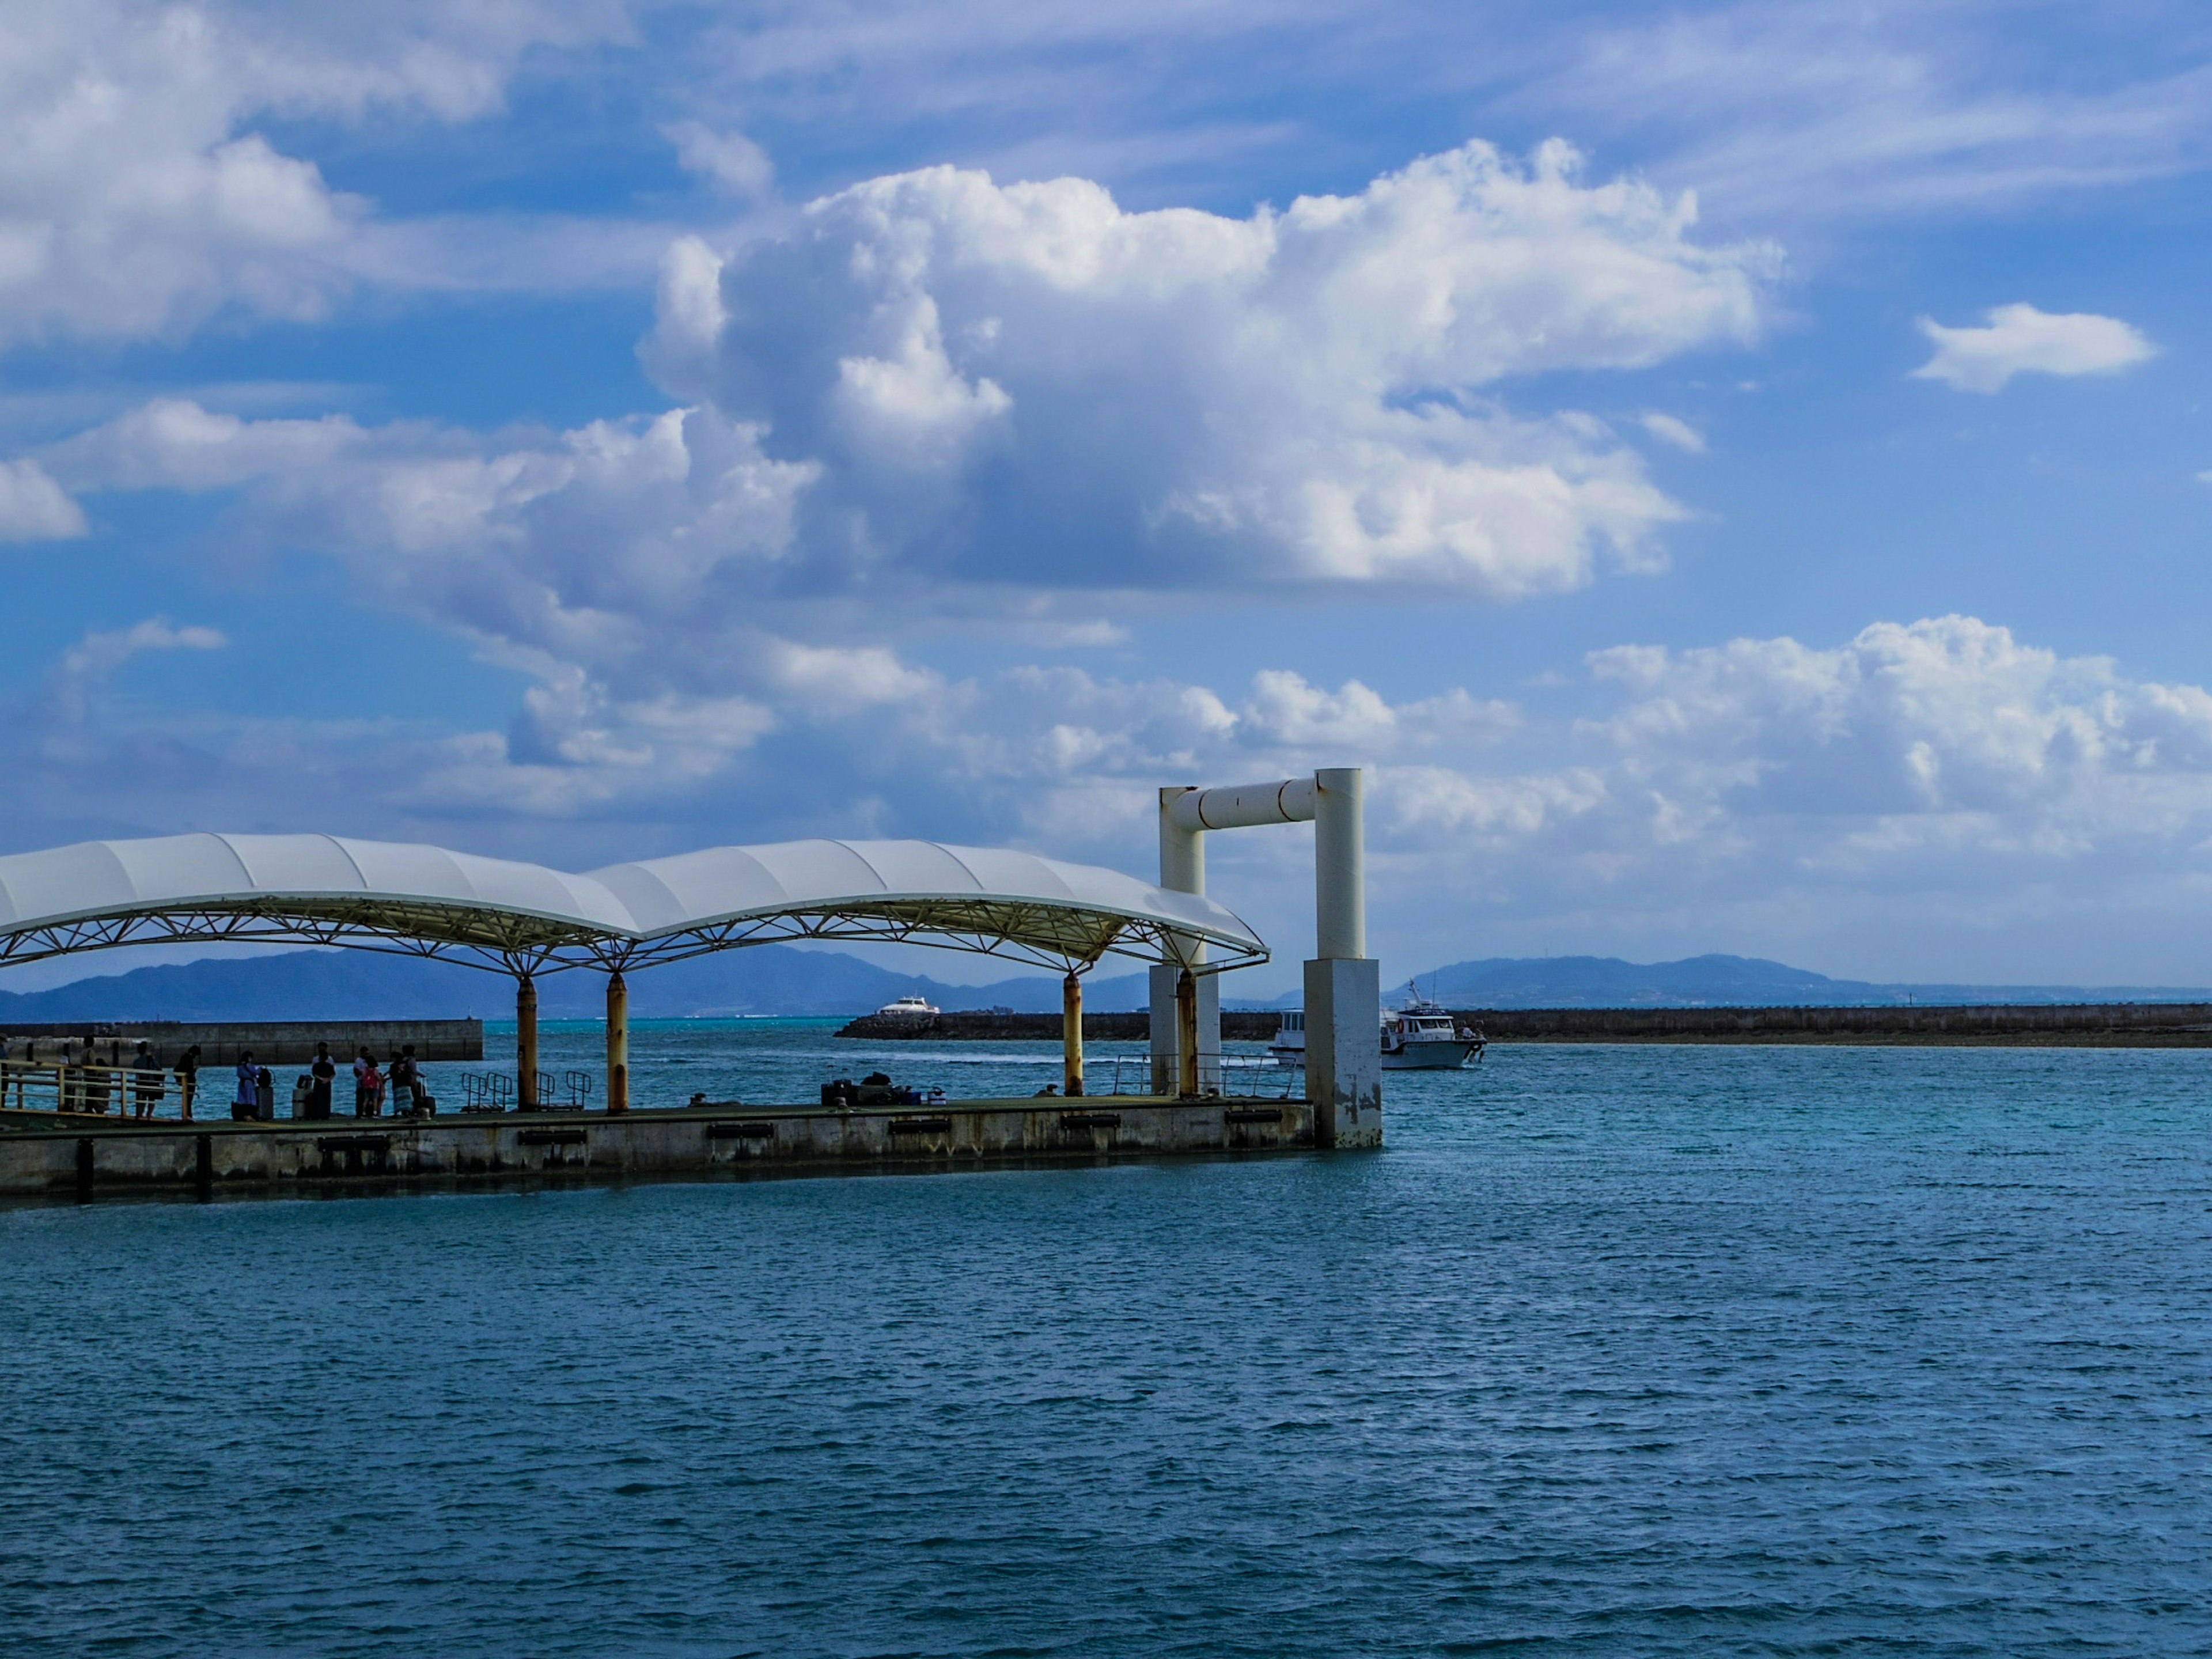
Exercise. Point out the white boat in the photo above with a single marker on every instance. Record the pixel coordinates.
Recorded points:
(1422, 1036)
(907, 1008)
(1419, 1038)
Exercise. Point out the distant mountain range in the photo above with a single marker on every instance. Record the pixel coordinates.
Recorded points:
(1721, 982)
(775, 979)
(766, 979)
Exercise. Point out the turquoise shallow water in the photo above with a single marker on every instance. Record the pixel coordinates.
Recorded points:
(1614, 1352)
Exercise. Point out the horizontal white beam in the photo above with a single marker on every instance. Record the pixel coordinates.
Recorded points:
(1241, 805)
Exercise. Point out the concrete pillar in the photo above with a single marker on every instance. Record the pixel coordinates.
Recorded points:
(617, 1042)
(1167, 1047)
(1187, 1080)
(1343, 984)
(525, 1043)
(1070, 1034)
(1339, 865)
(1182, 870)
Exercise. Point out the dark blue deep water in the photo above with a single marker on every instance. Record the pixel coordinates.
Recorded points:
(1614, 1352)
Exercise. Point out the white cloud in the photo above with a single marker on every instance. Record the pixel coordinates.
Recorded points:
(1830, 110)
(1671, 429)
(2022, 340)
(136, 198)
(1173, 398)
(33, 507)
(88, 664)
(732, 161)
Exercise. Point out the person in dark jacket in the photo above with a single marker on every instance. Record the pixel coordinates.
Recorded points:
(146, 1081)
(188, 1079)
(324, 1069)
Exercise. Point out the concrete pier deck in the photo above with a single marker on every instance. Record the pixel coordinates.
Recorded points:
(48, 1155)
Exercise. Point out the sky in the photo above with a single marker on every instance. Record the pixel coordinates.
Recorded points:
(1738, 475)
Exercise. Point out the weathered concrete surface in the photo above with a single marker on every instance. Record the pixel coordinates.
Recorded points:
(2071, 1026)
(274, 1042)
(43, 1155)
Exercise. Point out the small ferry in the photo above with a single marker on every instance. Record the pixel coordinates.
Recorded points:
(1421, 1036)
(907, 1008)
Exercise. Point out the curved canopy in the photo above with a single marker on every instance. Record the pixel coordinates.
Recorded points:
(329, 889)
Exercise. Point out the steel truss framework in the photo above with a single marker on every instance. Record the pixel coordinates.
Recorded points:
(1070, 938)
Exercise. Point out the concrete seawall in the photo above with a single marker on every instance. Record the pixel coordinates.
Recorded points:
(2078, 1025)
(46, 1156)
(2082, 1025)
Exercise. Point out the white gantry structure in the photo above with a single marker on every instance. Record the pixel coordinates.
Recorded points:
(1343, 987)
(527, 920)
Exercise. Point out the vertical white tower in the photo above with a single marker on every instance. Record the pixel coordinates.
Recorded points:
(1343, 991)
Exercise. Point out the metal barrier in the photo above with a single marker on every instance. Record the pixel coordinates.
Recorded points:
(1220, 1064)
(93, 1091)
(487, 1091)
(495, 1092)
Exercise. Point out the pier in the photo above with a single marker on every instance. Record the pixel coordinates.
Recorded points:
(54, 1155)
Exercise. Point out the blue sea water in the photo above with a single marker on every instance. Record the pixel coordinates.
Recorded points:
(1614, 1351)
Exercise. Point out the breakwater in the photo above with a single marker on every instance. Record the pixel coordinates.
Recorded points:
(46, 1154)
(2077, 1025)
(2080, 1025)
(273, 1043)
(985, 1027)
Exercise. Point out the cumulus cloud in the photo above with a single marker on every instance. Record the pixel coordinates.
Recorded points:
(136, 197)
(33, 507)
(939, 392)
(1028, 383)
(2021, 340)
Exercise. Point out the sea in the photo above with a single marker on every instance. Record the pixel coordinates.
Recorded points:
(1628, 1351)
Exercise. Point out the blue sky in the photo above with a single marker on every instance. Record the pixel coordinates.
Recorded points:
(1740, 474)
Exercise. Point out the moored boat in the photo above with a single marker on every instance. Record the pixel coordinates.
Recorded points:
(907, 1008)
(1422, 1036)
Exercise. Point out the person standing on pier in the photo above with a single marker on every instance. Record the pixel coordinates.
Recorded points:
(188, 1079)
(362, 1067)
(324, 1069)
(146, 1080)
(406, 1083)
(247, 1103)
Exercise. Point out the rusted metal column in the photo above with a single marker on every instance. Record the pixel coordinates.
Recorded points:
(1071, 1033)
(617, 1042)
(1187, 1031)
(525, 1043)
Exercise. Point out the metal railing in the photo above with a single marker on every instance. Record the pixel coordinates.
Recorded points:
(95, 1090)
(495, 1092)
(1210, 1064)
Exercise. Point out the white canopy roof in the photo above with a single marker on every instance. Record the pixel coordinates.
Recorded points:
(331, 889)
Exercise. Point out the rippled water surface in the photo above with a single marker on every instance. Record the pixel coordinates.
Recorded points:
(1613, 1350)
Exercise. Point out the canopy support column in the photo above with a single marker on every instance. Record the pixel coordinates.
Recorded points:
(617, 1042)
(1187, 1031)
(1071, 1033)
(525, 1043)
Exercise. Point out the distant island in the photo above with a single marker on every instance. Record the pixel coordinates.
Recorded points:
(772, 980)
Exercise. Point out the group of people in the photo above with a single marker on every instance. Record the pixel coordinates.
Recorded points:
(312, 1090)
(139, 1083)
